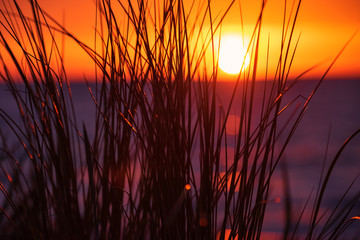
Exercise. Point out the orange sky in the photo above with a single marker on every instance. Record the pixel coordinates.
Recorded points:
(326, 25)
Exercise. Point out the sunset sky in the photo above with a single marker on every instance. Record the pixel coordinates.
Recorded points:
(325, 26)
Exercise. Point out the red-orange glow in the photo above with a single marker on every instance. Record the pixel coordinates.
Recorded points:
(325, 27)
(9, 178)
(264, 235)
(228, 180)
(227, 235)
(187, 187)
(203, 222)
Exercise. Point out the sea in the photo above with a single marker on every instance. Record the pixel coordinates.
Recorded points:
(332, 116)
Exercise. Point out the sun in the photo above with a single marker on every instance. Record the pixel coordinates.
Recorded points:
(232, 54)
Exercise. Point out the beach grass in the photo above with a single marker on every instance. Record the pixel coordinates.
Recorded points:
(152, 165)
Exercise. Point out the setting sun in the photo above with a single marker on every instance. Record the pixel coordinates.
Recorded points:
(232, 54)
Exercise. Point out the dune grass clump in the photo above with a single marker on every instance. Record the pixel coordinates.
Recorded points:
(151, 166)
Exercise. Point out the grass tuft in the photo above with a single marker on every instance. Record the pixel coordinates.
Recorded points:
(151, 165)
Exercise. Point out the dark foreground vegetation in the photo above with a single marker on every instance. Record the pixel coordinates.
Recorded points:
(150, 167)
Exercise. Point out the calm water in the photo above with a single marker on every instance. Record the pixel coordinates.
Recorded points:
(334, 113)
